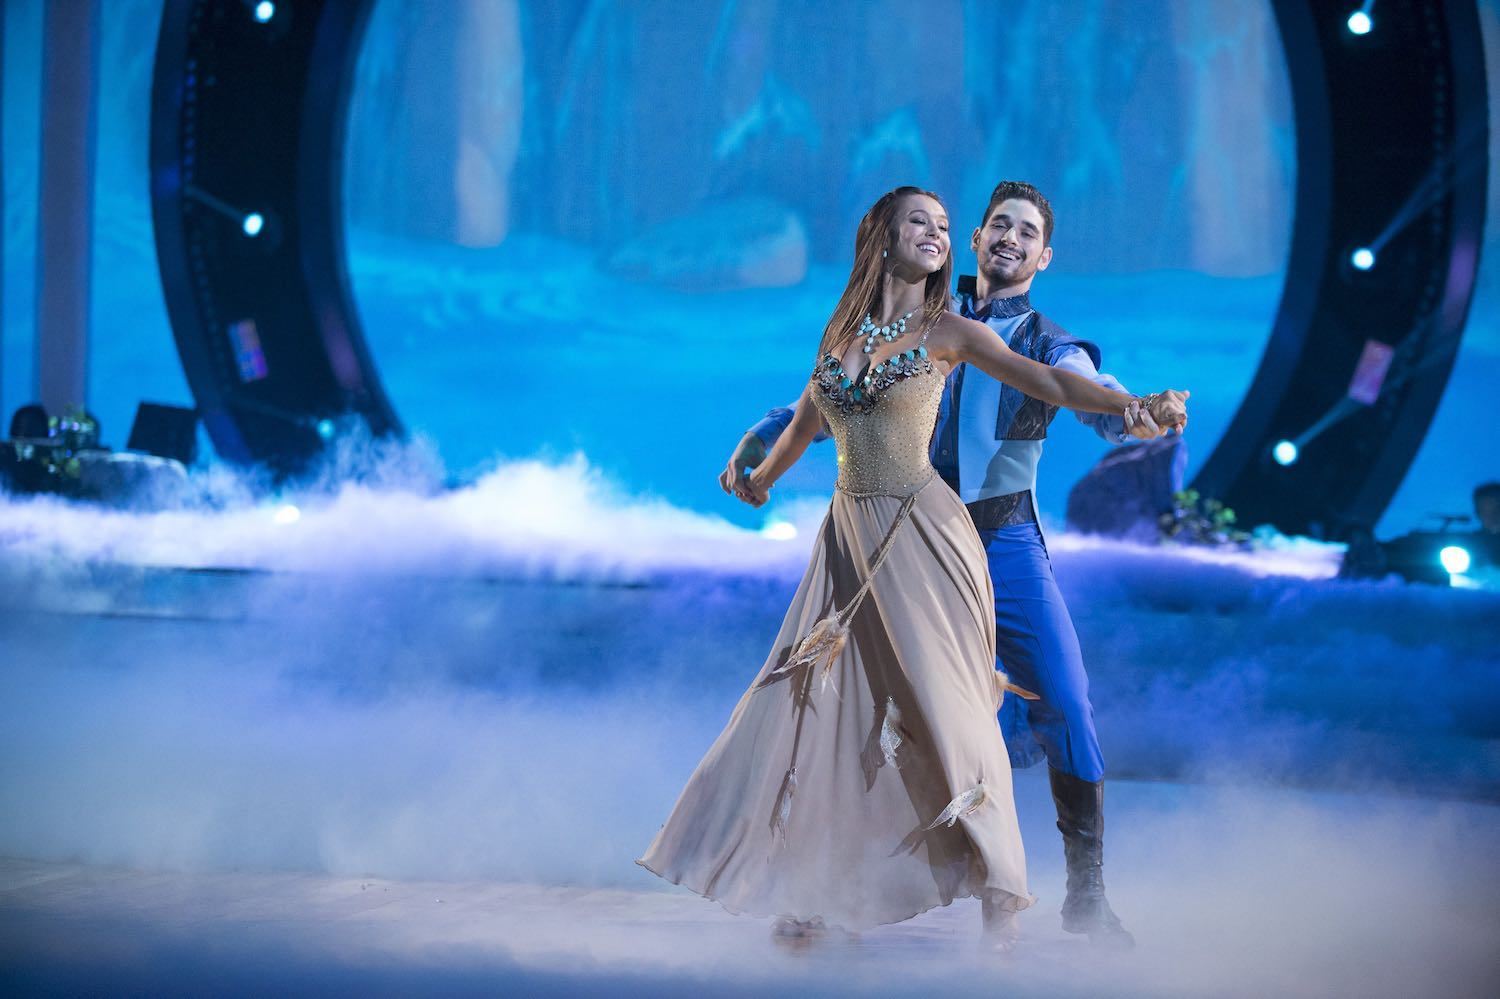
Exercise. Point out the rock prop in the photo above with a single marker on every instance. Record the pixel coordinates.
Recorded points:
(1126, 493)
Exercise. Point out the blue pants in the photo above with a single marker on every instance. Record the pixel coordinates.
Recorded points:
(1038, 648)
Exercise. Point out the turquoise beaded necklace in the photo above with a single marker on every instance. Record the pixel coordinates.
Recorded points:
(899, 364)
(890, 333)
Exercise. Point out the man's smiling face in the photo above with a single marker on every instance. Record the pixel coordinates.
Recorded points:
(1011, 245)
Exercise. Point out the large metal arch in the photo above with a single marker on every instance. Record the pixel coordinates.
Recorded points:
(1419, 202)
(250, 116)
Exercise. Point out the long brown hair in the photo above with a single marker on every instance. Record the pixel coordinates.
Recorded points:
(862, 293)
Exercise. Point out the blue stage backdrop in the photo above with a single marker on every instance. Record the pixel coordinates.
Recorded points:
(618, 228)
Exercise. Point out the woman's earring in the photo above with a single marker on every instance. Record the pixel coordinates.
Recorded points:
(885, 253)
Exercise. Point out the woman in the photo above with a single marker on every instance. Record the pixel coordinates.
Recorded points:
(862, 778)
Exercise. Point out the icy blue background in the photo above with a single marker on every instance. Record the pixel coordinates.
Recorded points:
(617, 228)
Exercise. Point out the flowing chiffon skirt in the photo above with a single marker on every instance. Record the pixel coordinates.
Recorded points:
(886, 790)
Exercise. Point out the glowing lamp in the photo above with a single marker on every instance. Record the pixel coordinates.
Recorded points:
(780, 530)
(1360, 23)
(264, 11)
(1285, 452)
(1363, 258)
(1455, 560)
(253, 224)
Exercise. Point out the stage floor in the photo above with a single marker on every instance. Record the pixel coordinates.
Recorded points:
(1231, 891)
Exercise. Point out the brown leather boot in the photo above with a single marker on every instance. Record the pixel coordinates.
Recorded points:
(1080, 819)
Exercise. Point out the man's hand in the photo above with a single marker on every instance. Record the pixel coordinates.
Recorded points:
(1169, 409)
(734, 479)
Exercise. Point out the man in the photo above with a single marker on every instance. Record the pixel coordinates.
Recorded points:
(986, 446)
(1486, 540)
(1487, 508)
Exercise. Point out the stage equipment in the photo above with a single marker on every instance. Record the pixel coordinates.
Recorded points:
(1392, 163)
(31, 420)
(1445, 557)
(165, 431)
(247, 137)
(1455, 559)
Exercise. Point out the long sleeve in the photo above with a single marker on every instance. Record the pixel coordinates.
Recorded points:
(770, 427)
(1109, 426)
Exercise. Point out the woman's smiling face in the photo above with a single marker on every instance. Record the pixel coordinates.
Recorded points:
(920, 239)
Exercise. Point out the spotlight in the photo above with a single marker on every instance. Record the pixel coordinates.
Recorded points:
(287, 513)
(1285, 452)
(325, 429)
(1363, 258)
(779, 530)
(253, 224)
(1360, 23)
(1455, 560)
(264, 11)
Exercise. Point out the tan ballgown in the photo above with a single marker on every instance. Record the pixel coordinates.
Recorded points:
(833, 797)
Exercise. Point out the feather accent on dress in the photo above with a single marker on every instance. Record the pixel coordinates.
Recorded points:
(890, 738)
(960, 806)
(784, 805)
(818, 649)
(1002, 684)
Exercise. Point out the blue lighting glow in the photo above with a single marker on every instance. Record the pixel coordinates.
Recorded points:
(325, 429)
(264, 11)
(1363, 258)
(1455, 560)
(1285, 452)
(1360, 23)
(253, 224)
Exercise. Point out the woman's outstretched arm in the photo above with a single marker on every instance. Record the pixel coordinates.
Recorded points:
(963, 341)
(806, 422)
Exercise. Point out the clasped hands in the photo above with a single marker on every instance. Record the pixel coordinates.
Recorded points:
(1155, 414)
(736, 478)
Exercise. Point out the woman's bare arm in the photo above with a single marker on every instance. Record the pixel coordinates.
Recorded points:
(806, 422)
(957, 340)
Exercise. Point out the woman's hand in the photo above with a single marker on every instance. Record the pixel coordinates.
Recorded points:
(1139, 423)
(753, 489)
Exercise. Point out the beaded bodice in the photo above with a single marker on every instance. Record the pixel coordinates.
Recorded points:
(882, 422)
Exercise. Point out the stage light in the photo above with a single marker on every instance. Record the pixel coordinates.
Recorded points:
(1285, 452)
(779, 530)
(287, 513)
(1455, 560)
(325, 429)
(253, 224)
(1360, 23)
(1363, 258)
(264, 11)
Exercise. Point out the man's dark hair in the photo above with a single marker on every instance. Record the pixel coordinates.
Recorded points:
(1007, 189)
(1487, 491)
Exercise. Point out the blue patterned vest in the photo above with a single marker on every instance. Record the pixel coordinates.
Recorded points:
(988, 440)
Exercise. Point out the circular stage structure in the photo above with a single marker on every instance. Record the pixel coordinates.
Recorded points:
(248, 109)
(247, 134)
